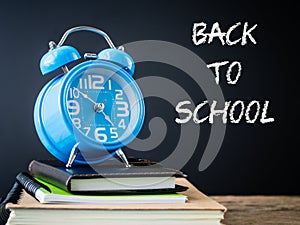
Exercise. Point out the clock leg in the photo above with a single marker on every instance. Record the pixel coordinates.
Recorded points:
(123, 157)
(73, 155)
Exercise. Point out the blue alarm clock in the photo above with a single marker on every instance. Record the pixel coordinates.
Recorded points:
(88, 113)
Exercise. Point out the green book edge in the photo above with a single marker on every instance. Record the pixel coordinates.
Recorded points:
(58, 191)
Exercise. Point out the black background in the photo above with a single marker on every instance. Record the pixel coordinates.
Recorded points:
(254, 159)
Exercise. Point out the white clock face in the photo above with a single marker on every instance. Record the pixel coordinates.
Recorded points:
(98, 107)
(102, 106)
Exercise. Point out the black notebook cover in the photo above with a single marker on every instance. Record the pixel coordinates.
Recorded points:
(55, 172)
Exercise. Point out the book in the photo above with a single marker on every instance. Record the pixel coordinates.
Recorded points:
(199, 209)
(48, 193)
(57, 195)
(111, 175)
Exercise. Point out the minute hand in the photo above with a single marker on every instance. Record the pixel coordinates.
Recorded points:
(87, 97)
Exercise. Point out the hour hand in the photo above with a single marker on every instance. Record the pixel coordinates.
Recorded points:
(107, 118)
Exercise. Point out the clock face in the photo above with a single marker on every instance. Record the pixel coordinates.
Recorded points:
(104, 106)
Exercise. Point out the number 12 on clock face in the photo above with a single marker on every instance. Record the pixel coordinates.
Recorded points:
(99, 107)
(95, 107)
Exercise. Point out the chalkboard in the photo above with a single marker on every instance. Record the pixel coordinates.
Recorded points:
(251, 158)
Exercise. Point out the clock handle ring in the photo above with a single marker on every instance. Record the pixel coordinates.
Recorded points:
(86, 28)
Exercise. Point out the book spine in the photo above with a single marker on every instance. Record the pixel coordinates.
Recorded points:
(12, 196)
(50, 174)
(29, 184)
(24, 181)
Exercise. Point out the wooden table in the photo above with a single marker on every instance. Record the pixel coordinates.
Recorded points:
(260, 210)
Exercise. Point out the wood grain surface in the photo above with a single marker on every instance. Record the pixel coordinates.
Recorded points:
(260, 210)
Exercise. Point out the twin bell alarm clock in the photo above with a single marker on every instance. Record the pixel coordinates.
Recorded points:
(89, 112)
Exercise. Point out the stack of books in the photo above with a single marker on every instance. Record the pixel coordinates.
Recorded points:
(110, 193)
